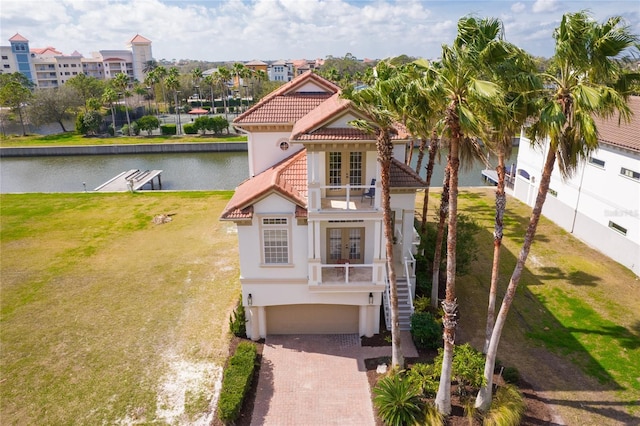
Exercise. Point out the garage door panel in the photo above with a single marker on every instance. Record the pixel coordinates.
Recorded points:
(312, 319)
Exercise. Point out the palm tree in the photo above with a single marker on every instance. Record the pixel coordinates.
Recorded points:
(149, 66)
(121, 83)
(151, 80)
(161, 74)
(197, 78)
(225, 76)
(583, 69)
(517, 78)
(373, 101)
(458, 79)
(109, 96)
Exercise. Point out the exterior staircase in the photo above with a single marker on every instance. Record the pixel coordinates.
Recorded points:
(404, 305)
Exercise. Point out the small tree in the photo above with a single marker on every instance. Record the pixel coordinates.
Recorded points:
(88, 123)
(220, 124)
(148, 123)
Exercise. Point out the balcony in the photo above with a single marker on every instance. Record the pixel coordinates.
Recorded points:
(344, 276)
(329, 198)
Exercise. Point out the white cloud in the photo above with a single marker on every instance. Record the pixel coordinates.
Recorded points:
(279, 29)
(541, 6)
(518, 7)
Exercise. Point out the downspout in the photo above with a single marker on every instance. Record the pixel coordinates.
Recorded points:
(575, 211)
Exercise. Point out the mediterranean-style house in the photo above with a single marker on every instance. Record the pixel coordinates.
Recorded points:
(309, 218)
(600, 204)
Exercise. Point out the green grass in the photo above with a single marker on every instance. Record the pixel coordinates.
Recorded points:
(97, 302)
(572, 302)
(74, 139)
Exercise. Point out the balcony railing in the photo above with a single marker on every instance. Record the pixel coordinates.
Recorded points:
(342, 198)
(321, 274)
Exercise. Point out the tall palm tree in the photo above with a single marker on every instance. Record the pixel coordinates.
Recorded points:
(197, 78)
(121, 83)
(373, 102)
(110, 96)
(458, 79)
(152, 80)
(583, 70)
(149, 66)
(518, 79)
(161, 74)
(225, 76)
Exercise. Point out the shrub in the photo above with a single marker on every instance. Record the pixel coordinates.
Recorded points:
(426, 377)
(426, 330)
(132, 130)
(111, 130)
(125, 130)
(422, 304)
(190, 129)
(148, 123)
(220, 110)
(511, 375)
(168, 129)
(236, 382)
(507, 408)
(398, 400)
(238, 321)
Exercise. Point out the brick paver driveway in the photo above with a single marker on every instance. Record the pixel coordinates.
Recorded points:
(315, 380)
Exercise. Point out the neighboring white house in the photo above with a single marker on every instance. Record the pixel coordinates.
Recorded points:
(309, 219)
(600, 204)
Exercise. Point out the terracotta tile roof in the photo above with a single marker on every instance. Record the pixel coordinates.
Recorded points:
(139, 39)
(18, 37)
(114, 60)
(288, 103)
(45, 50)
(288, 178)
(403, 176)
(309, 127)
(625, 135)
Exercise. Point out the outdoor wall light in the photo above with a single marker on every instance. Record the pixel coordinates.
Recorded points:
(371, 298)
(249, 299)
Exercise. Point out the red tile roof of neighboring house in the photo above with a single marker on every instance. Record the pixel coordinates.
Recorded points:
(42, 50)
(18, 37)
(624, 135)
(139, 39)
(113, 60)
(287, 178)
(287, 104)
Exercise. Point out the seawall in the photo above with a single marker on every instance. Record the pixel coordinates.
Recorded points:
(159, 148)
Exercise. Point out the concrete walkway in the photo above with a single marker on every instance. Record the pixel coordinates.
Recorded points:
(317, 380)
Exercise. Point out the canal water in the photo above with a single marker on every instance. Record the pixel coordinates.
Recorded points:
(195, 171)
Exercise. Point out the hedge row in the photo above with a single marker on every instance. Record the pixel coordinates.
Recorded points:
(236, 382)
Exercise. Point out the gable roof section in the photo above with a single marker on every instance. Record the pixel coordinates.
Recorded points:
(289, 103)
(139, 39)
(287, 178)
(310, 127)
(18, 37)
(625, 135)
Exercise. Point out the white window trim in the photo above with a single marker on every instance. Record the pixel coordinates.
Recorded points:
(263, 227)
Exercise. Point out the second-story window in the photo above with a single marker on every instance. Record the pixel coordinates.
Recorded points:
(275, 240)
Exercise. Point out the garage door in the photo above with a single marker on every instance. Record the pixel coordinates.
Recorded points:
(312, 319)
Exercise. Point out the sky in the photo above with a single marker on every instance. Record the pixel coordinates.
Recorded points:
(243, 30)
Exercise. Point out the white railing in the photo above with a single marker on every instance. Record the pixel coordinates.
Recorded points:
(321, 197)
(410, 273)
(346, 273)
(387, 302)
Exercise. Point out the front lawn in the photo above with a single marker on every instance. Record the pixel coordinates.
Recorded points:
(107, 317)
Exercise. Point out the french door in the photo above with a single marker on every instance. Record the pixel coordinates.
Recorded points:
(345, 245)
(345, 168)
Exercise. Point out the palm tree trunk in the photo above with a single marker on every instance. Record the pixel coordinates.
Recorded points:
(385, 152)
(501, 204)
(113, 118)
(433, 148)
(437, 254)
(410, 154)
(421, 147)
(450, 305)
(483, 400)
(24, 130)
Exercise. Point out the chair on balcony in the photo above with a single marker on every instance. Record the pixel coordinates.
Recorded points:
(370, 193)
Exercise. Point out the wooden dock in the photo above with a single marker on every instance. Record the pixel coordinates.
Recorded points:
(490, 176)
(131, 180)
